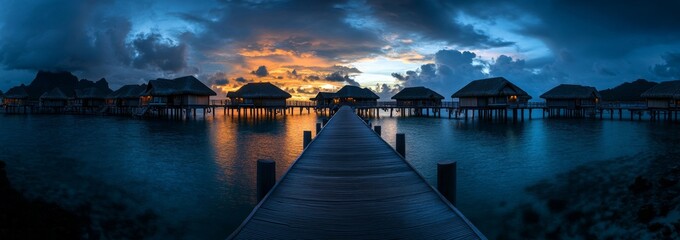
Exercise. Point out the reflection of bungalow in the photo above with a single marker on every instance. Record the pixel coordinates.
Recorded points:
(491, 93)
(259, 95)
(418, 97)
(568, 96)
(324, 99)
(127, 96)
(664, 95)
(16, 97)
(54, 98)
(90, 97)
(356, 96)
(184, 91)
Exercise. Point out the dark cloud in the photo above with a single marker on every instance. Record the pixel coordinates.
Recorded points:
(152, 51)
(434, 20)
(385, 92)
(341, 77)
(260, 72)
(671, 67)
(241, 80)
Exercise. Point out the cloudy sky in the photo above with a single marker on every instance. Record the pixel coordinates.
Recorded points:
(307, 46)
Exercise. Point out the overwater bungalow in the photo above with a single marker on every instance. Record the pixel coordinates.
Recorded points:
(16, 97)
(418, 97)
(571, 100)
(90, 98)
(323, 99)
(127, 96)
(179, 92)
(491, 93)
(665, 95)
(53, 100)
(356, 96)
(262, 94)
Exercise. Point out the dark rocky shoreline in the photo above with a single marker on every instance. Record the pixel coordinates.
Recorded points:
(23, 218)
(630, 198)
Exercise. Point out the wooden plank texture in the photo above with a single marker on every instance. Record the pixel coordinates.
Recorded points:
(351, 184)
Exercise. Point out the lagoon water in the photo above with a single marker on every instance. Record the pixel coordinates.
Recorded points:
(197, 176)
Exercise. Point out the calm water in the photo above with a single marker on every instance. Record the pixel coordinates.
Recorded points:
(198, 177)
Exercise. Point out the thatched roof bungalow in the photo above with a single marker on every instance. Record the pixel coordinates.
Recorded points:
(53, 98)
(569, 96)
(495, 92)
(90, 97)
(664, 95)
(127, 96)
(262, 94)
(418, 97)
(16, 96)
(183, 91)
(356, 96)
(324, 99)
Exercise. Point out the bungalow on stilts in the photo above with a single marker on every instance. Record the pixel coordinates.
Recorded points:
(663, 100)
(568, 100)
(415, 99)
(492, 98)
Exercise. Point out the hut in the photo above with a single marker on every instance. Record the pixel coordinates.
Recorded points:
(569, 96)
(418, 97)
(183, 91)
(324, 99)
(127, 96)
(665, 95)
(91, 97)
(356, 96)
(262, 94)
(489, 93)
(16, 97)
(54, 99)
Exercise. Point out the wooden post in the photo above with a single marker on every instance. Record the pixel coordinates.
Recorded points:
(377, 129)
(318, 128)
(266, 177)
(446, 180)
(401, 144)
(324, 122)
(307, 135)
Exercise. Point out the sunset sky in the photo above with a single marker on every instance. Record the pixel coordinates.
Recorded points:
(307, 46)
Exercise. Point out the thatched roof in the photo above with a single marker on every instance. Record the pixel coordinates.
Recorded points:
(91, 93)
(570, 91)
(668, 89)
(355, 92)
(55, 94)
(129, 91)
(415, 93)
(259, 90)
(18, 92)
(188, 85)
(491, 87)
(323, 95)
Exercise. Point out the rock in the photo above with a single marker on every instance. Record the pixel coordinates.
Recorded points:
(666, 231)
(664, 209)
(640, 185)
(530, 216)
(654, 227)
(557, 205)
(667, 182)
(646, 213)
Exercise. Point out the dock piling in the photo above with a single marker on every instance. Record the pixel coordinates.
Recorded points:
(401, 144)
(266, 177)
(307, 135)
(446, 180)
(324, 122)
(377, 129)
(318, 128)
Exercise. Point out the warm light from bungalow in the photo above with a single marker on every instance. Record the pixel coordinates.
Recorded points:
(513, 98)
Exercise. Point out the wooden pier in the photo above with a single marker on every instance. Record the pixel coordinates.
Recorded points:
(350, 184)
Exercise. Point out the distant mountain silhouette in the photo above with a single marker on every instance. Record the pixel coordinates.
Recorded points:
(627, 92)
(45, 81)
